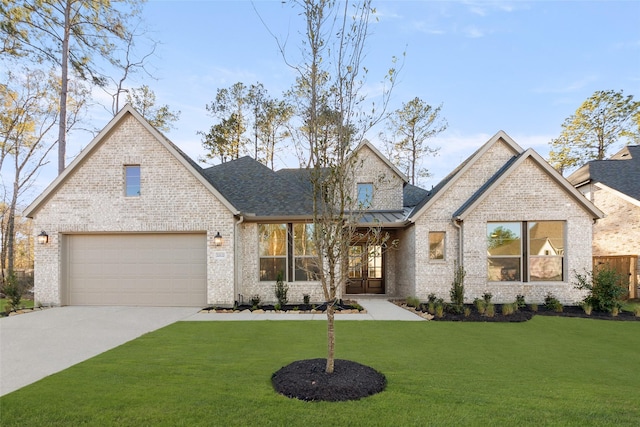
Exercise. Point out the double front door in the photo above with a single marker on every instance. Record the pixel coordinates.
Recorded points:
(366, 272)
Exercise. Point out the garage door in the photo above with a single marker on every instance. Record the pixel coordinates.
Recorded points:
(136, 269)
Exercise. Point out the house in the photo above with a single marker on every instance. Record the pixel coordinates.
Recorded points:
(134, 221)
(613, 185)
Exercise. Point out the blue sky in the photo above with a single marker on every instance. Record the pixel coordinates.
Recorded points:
(517, 66)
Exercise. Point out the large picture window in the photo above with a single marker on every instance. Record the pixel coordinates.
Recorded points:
(525, 251)
(273, 250)
(287, 249)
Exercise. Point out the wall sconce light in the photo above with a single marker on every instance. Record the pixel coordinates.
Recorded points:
(217, 239)
(43, 238)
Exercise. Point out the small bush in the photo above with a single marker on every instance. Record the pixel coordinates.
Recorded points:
(457, 290)
(431, 298)
(507, 309)
(552, 303)
(413, 302)
(520, 302)
(491, 310)
(467, 311)
(533, 307)
(636, 310)
(13, 292)
(605, 288)
(431, 307)
(277, 307)
(439, 309)
(487, 297)
(587, 308)
(306, 299)
(255, 301)
(480, 304)
(281, 290)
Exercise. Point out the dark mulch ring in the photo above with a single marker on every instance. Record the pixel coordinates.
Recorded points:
(307, 380)
(524, 314)
(339, 306)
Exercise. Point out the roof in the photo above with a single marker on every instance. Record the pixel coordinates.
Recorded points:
(621, 172)
(127, 110)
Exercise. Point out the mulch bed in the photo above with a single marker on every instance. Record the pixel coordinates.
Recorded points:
(524, 314)
(342, 305)
(307, 380)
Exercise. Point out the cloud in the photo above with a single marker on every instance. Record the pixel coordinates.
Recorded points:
(473, 32)
(569, 87)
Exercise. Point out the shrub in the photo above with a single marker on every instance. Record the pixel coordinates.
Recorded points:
(636, 310)
(507, 309)
(615, 310)
(533, 307)
(431, 298)
(491, 310)
(605, 288)
(281, 290)
(413, 302)
(306, 299)
(255, 301)
(587, 308)
(552, 303)
(487, 297)
(439, 308)
(480, 304)
(467, 311)
(431, 307)
(520, 302)
(457, 290)
(13, 292)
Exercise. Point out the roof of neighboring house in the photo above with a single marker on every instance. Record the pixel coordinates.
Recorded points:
(621, 172)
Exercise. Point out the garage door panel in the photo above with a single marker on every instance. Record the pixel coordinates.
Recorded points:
(137, 269)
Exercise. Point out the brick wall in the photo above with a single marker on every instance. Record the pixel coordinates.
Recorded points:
(618, 233)
(91, 200)
(387, 192)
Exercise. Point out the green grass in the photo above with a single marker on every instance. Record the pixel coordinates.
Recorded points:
(548, 371)
(630, 305)
(24, 303)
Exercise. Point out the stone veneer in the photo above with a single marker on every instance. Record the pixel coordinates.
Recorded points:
(91, 200)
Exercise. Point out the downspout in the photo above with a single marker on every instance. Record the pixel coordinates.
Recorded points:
(236, 258)
(457, 223)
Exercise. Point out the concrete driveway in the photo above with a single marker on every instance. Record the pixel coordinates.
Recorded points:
(38, 344)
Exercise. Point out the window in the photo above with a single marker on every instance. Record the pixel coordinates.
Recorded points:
(436, 245)
(525, 251)
(273, 250)
(546, 250)
(365, 195)
(304, 251)
(375, 262)
(287, 249)
(132, 180)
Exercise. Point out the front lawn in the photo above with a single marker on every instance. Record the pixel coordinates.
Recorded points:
(24, 303)
(548, 371)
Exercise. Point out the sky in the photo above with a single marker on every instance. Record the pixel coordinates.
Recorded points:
(517, 66)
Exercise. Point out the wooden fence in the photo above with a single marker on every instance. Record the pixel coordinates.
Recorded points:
(626, 265)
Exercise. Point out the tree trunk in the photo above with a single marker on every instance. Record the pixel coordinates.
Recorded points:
(64, 88)
(331, 338)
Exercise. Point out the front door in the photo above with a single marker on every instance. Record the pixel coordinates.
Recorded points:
(366, 273)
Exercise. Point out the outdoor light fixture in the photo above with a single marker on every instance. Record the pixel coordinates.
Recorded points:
(217, 239)
(43, 238)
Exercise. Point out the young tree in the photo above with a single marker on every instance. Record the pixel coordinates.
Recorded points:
(143, 99)
(410, 127)
(601, 121)
(70, 34)
(331, 108)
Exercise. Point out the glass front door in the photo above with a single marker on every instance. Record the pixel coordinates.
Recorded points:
(366, 271)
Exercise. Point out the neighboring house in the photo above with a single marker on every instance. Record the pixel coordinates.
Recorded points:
(134, 221)
(613, 185)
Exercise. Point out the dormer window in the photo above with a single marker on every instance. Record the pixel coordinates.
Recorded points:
(365, 195)
(132, 180)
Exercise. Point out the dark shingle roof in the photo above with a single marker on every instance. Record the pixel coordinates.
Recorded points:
(621, 172)
(254, 188)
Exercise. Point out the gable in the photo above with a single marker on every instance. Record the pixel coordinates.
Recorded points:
(127, 140)
(460, 185)
(530, 186)
(372, 168)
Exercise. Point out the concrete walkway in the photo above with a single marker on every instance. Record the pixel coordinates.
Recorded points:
(38, 344)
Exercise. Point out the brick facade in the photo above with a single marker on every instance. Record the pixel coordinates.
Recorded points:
(91, 200)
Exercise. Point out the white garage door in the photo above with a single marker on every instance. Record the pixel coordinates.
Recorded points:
(136, 269)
